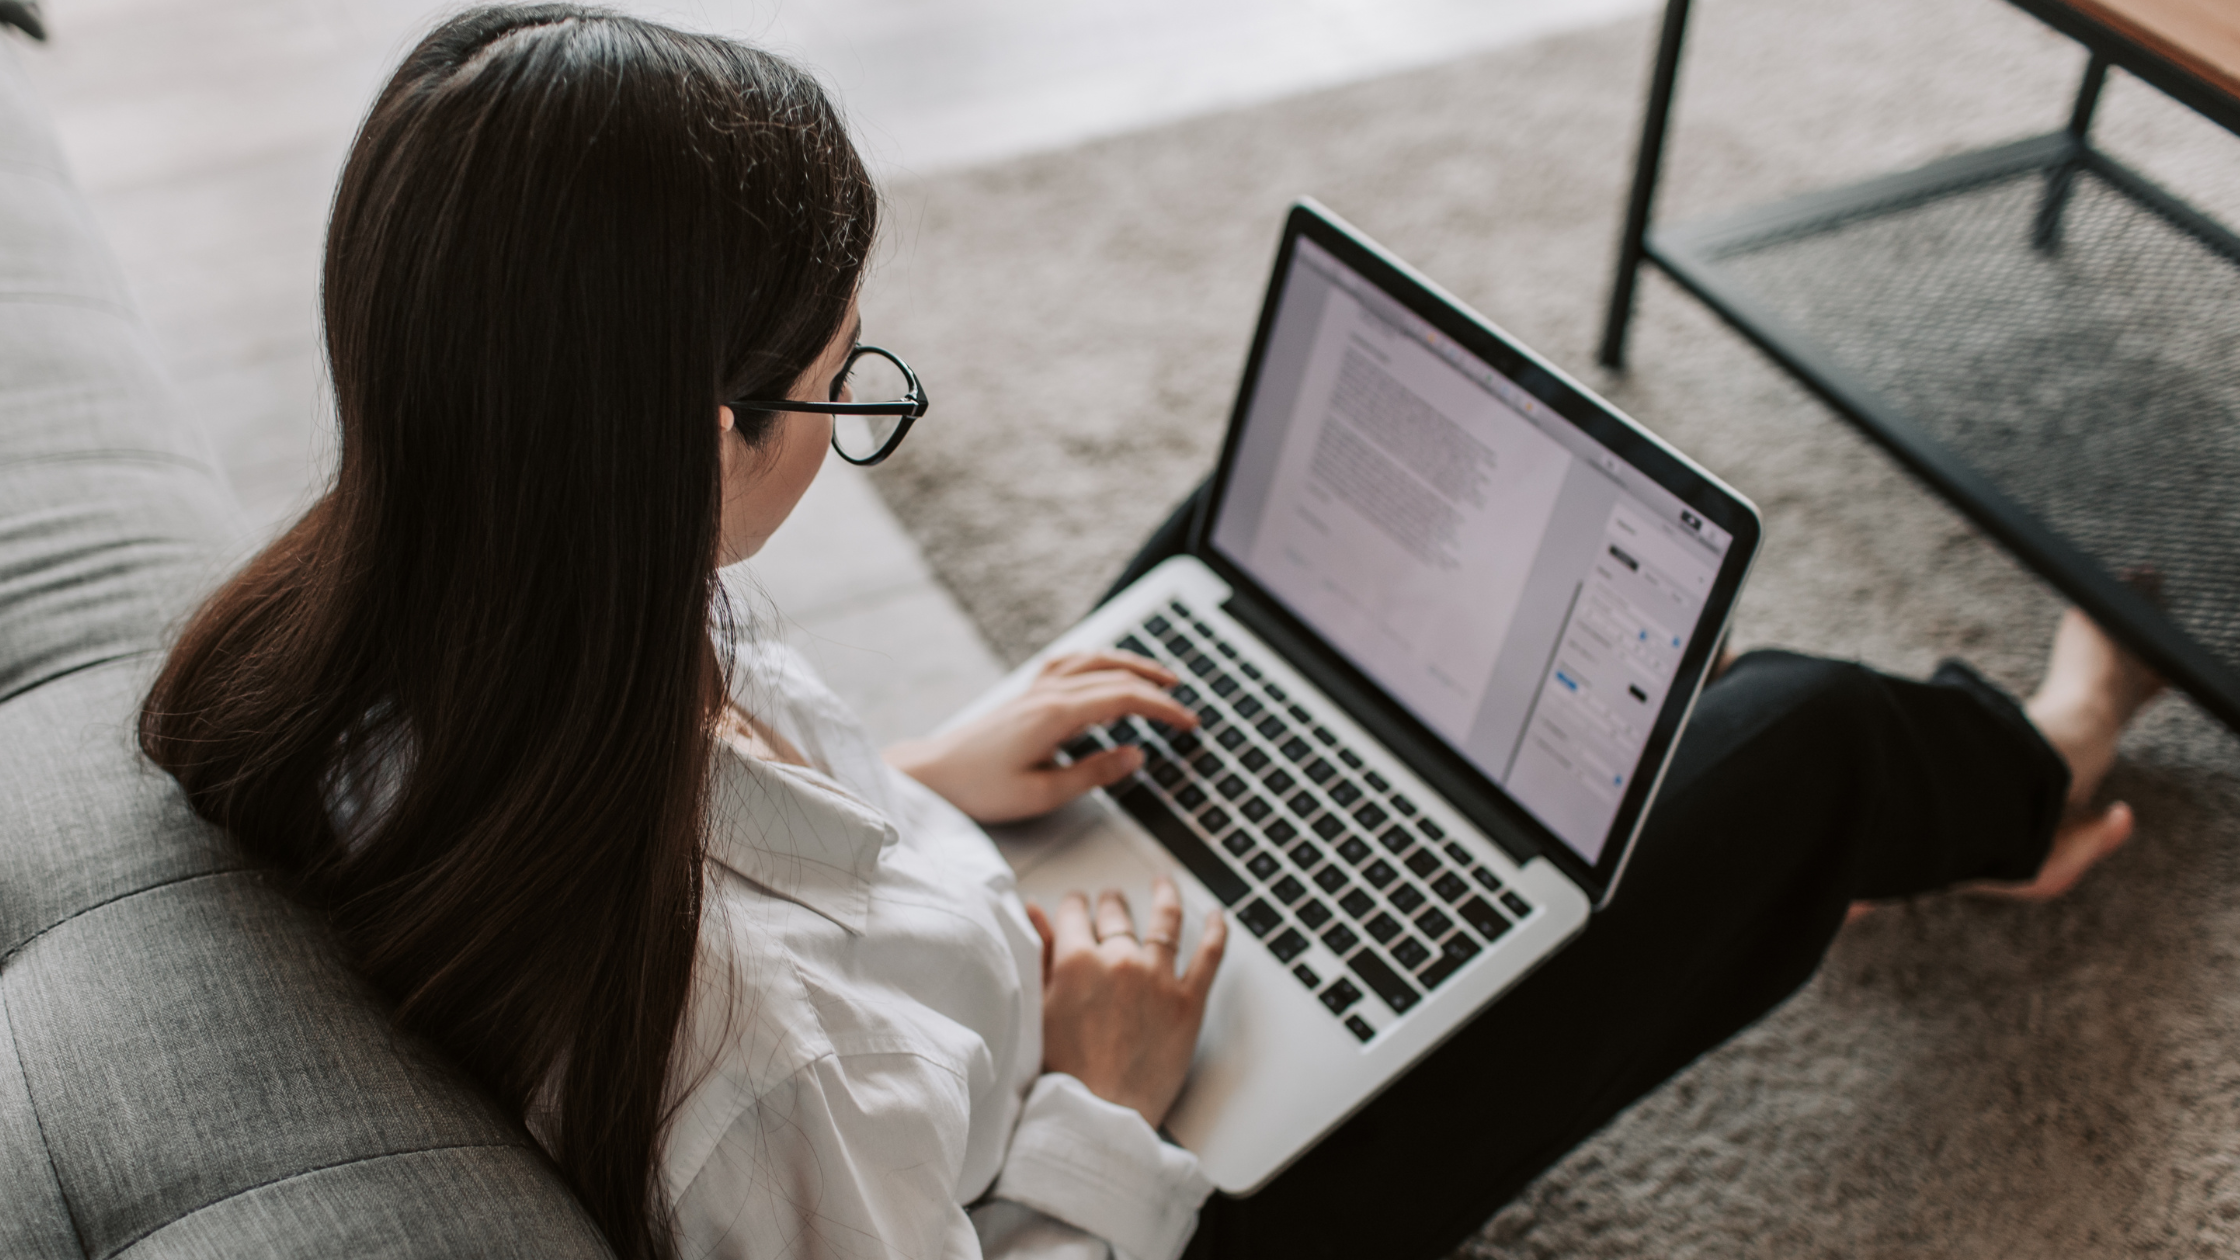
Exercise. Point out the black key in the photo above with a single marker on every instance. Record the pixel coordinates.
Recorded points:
(1458, 853)
(1185, 694)
(1179, 644)
(1384, 927)
(1305, 856)
(1224, 648)
(1410, 953)
(1083, 745)
(1275, 693)
(1208, 718)
(1432, 829)
(1328, 826)
(1287, 944)
(1204, 629)
(1402, 806)
(1255, 809)
(1280, 831)
(1320, 770)
(1190, 797)
(1254, 759)
(1449, 886)
(1166, 773)
(1206, 764)
(1307, 976)
(1352, 850)
(1200, 664)
(1489, 921)
(1518, 906)
(1359, 1027)
(1486, 877)
(1288, 889)
(1378, 873)
(1377, 781)
(1371, 815)
(1185, 744)
(1357, 903)
(1158, 626)
(1250, 670)
(1135, 645)
(1301, 716)
(1231, 787)
(1352, 759)
(1458, 950)
(1326, 735)
(1148, 809)
(1396, 839)
(1279, 782)
(1406, 897)
(1238, 842)
(1331, 877)
(1423, 862)
(1263, 866)
(1303, 804)
(1271, 728)
(1396, 992)
(1260, 917)
(1340, 939)
(1229, 738)
(1345, 792)
(1295, 748)
(1214, 819)
(1223, 685)
(1340, 995)
(1434, 923)
(1247, 707)
(1179, 610)
(1314, 914)
(1124, 731)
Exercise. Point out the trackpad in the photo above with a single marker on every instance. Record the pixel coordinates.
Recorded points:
(1089, 846)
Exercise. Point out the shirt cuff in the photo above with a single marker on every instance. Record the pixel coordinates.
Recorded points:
(1100, 1168)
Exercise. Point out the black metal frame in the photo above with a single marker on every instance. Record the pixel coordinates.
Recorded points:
(911, 407)
(1691, 255)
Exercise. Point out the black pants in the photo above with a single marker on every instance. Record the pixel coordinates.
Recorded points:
(1800, 786)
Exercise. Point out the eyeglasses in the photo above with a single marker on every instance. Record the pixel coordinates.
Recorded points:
(864, 432)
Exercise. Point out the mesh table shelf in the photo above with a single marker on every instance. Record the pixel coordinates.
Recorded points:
(2045, 337)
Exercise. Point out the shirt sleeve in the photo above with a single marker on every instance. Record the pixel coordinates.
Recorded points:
(1099, 1168)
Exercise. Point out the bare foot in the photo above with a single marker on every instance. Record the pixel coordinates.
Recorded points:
(2092, 690)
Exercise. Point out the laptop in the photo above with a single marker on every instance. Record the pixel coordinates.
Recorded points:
(1443, 615)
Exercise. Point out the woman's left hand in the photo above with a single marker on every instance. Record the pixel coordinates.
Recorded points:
(1001, 766)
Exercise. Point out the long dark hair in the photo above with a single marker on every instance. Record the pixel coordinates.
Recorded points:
(563, 237)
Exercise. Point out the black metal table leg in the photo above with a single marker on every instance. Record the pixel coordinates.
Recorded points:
(1646, 164)
(2060, 179)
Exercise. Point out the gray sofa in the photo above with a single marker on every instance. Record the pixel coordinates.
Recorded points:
(186, 1068)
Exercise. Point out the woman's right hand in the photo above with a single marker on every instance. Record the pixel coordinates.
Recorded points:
(1114, 1014)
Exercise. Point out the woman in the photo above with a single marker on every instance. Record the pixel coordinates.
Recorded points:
(590, 303)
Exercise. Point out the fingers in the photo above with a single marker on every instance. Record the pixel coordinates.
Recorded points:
(1096, 699)
(1089, 662)
(1113, 918)
(1056, 786)
(1073, 933)
(1207, 960)
(1049, 937)
(1166, 917)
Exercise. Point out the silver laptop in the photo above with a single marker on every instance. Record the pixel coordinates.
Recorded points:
(1444, 616)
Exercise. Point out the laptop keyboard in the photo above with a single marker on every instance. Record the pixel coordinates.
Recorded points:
(1283, 822)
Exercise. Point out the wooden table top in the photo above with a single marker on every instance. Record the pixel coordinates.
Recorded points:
(2202, 36)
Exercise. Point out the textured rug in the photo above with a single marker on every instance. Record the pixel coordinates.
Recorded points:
(1962, 1079)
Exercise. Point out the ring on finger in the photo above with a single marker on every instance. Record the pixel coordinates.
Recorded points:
(1167, 942)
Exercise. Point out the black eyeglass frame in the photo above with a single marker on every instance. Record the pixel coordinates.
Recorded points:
(910, 406)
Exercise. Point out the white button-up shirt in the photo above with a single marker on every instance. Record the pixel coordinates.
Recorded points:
(862, 1061)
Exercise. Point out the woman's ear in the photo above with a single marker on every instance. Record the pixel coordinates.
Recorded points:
(724, 419)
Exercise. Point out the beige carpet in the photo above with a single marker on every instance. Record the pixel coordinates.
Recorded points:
(1962, 1079)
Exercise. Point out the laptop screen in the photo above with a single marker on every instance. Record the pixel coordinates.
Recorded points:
(1521, 590)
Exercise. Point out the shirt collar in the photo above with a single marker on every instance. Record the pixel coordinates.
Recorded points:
(797, 833)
